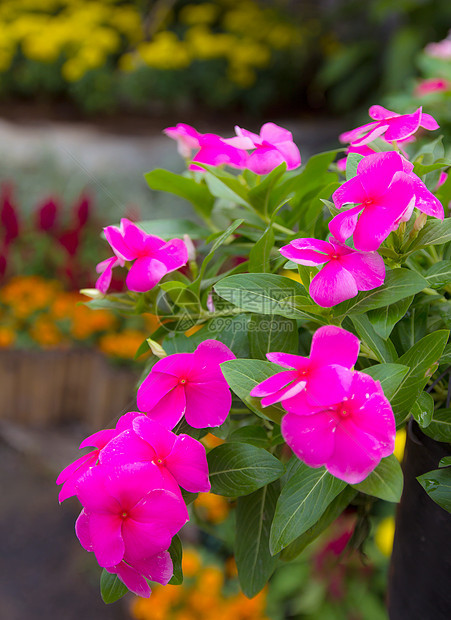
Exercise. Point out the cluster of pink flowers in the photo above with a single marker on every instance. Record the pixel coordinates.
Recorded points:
(151, 257)
(260, 153)
(336, 417)
(129, 485)
(384, 193)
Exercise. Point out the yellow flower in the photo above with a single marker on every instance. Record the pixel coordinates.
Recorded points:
(27, 294)
(211, 507)
(205, 13)
(384, 535)
(7, 336)
(86, 322)
(191, 562)
(45, 332)
(73, 70)
(400, 443)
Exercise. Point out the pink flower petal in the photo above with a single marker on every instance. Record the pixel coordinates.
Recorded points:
(337, 380)
(307, 255)
(156, 436)
(144, 539)
(126, 421)
(157, 568)
(170, 409)
(130, 577)
(71, 474)
(379, 113)
(144, 274)
(377, 131)
(425, 200)
(154, 387)
(351, 192)
(105, 268)
(274, 134)
(311, 437)
(356, 454)
(106, 536)
(82, 531)
(92, 493)
(290, 154)
(188, 464)
(178, 364)
(136, 239)
(288, 360)
(99, 439)
(428, 121)
(264, 159)
(332, 285)
(354, 134)
(367, 269)
(207, 404)
(274, 384)
(403, 126)
(334, 345)
(376, 172)
(342, 226)
(207, 359)
(116, 240)
(161, 506)
(174, 254)
(126, 448)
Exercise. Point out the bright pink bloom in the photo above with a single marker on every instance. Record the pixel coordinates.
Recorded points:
(153, 257)
(383, 193)
(189, 384)
(391, 125)
(178, 457)
(345, 272)
(433, 85)
(128, 514)
(186, 136)
(333, 352)
(442, 49)
(349, 437)
(214, 151)
(105, 269)
(273, 146)
(425, 201)
(73, 472)
(156, 568)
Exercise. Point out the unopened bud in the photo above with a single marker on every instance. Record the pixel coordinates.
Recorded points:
(420, 222)
(156, 348)
(93, 293)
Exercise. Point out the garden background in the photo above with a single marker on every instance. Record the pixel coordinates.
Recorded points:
(86, 89)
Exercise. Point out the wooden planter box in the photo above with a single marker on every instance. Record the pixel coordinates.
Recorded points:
(48, 387)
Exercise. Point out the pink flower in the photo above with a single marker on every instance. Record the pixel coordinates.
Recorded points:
(345, 272)
(383, 193)
(333, 352)
(433, 85)
(128, 514)
(47, 215)
(156, 568)
(73, 472)
(153, 257)
(391, 125)
(442, 49)
(360, 150)
(215, 151)
(273, 146)
(105, 269)
(189, 384)
(349, 437)
(180, 458)
(425, 201)
(187, 138)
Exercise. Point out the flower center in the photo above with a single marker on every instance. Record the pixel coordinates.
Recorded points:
(344, 411)
(124, 515)
(368, 202)
(182, 381)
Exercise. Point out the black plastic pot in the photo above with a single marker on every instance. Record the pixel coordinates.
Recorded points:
(420, 572)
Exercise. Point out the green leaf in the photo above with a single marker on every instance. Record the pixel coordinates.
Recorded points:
(437, 485)
(260, 195)
(303, 500)
(334, 510)
(422, 169)
(262, 293)
(445, 461)
(170, 229)
(420, 359)
(352, 161)
(176, 552)
(226, 186)
(239, 469)
(243, 375)
(383, 350)
(440, 426)
(111, 587)
(389, 375)
(439, 275)
(384, 319)
(384, 482)
(423, 409)
(196, 193)
(254, 515)
(434, 232)
(399, 283)
(272, 333)
(259, 256)
(253, 434)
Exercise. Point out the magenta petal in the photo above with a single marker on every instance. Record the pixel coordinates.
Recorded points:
(178, 364)
(372, 135)
(144, 274)
(170, 409)
(429, 122)
(99, 439)
(92, 493)
(264, 159)
(134, 581)
(161, 506)
(274, 133)
(105, 268)
(290, 154)
(403, 126)
(425, 200)
(367, 269)
(174, 254)
(377, 419)
(310, 437)
(356, 453)
(156, 436)
(342, 226)
(377, 171)
(301, 405)
(136, 238)
(309, 252)
(188, 464)
(337, 380)
(126, 421)
(154, 387)
(157, 568)
(207, 404)
(379, 113)
(106, 537)
(130, 483)
(85, 459)
(82, 531)
(207, 359)
(354, 134)
(332, 285)
(144, 539)
(351, 191)
(126, 448)
(288, 392)
(334, 345)
(274, 384)
(288, 360)
(116, 240)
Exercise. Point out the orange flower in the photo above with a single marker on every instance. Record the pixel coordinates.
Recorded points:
(191, 562)
(210, 441)
(7, 337)
(123, 345)
(211, 507)
(45, 332)
(27, 294)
